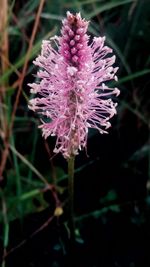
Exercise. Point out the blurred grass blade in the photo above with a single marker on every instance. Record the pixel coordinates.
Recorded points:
(87, 2)
(106, 7)
(133, 76)
(17, 172)
(18, 180)
(97, 213)
(29, 194)
(33, 152)
(29, 164)
(51, 16)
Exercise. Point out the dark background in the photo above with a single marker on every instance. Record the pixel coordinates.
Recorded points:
(112, 182)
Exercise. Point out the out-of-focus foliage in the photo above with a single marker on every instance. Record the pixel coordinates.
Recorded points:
(30, 165)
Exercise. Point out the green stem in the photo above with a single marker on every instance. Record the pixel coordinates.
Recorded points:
(6, 226)
(71, 162)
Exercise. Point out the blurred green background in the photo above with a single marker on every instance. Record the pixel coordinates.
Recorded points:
(112, 183)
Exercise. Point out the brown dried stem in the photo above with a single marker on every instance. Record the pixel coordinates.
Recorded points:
(4, 34)
(4, 55)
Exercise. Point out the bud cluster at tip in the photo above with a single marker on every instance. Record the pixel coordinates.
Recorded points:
(73, 42)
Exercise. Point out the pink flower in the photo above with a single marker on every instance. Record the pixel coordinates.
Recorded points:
(71, 92)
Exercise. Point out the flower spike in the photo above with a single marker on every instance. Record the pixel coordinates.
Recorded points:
(72, 93)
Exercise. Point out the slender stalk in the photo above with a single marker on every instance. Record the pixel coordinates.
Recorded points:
(71, 162)
(6, 226)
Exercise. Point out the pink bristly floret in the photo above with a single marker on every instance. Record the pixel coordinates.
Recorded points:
(71, 92)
